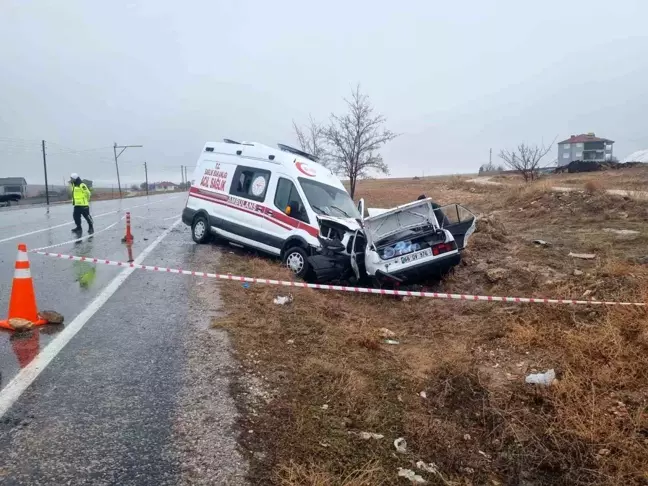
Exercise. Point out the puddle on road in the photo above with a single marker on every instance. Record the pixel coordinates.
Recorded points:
(66, 286)
(18, 349)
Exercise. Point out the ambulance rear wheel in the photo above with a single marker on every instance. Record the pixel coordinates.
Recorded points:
(200, 230)
(296, 259)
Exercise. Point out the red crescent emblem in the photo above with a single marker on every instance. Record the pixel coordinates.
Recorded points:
(304, 169)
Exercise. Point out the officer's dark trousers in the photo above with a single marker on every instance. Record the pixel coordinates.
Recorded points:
(82, 211)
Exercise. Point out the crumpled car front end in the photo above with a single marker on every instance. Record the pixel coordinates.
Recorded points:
(341, 241)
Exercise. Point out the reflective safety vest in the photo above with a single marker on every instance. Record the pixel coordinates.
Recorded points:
(80, 195)
(85, 274)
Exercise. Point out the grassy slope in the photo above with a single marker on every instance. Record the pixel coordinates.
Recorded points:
(326, 373)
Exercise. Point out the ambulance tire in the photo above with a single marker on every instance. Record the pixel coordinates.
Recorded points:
(200, 230)
(296, 259)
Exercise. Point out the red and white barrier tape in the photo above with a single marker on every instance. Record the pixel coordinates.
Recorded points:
(360, 290)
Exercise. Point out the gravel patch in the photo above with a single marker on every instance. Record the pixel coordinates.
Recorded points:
(205, 428)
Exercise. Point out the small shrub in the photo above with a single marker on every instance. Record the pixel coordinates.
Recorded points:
(593, 187)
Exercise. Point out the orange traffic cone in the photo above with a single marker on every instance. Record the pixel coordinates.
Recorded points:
(22, 303)
(129, 237)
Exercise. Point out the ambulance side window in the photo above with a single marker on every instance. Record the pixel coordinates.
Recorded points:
(287, 196)
(250, 183)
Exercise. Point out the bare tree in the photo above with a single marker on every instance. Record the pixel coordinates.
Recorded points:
(487, 168)
(312, 139)
(525, 159)
(354, 139)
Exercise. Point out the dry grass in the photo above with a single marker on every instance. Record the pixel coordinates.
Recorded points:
(295, 474)
(632, 179)
(594, 423)
(330, 374)
(593, 187)
(528, 192)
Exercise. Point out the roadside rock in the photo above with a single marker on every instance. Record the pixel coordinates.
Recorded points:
(490, 225)
(583, 256)
(19, 324)
(386, 333)
(52, 317)
(621, 232)
(496, 274)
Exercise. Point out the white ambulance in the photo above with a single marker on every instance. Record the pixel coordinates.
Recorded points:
(265, 198)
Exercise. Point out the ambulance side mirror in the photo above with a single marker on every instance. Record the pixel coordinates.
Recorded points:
(361, 208)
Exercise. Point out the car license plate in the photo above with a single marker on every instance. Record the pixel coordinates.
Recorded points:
(416, 256)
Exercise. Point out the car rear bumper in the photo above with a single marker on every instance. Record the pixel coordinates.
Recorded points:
(431, 269)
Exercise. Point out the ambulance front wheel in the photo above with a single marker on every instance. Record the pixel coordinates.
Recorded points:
(200, 230)
(296, 259)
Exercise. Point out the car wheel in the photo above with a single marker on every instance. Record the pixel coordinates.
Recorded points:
(296, 259)
(200, 230)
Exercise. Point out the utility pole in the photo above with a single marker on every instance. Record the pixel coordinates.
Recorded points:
(122, 147)
(182, 175)
(146, 176)
(45, 169)
(490, 158)
(186, 179)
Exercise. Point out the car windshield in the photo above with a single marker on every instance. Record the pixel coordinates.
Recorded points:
(328, 200)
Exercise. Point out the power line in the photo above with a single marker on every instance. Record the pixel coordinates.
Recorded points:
(19, 140)
(82, 151)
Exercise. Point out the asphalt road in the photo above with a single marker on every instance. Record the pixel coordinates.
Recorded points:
(143, 381)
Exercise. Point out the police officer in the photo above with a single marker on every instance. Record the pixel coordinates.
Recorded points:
(81, 203)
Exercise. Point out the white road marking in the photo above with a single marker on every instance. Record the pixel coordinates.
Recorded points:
(72, 222)
(26, 376)
(34, 232)
(76, 239)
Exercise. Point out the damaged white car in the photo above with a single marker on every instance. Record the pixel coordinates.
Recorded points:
(406, 244)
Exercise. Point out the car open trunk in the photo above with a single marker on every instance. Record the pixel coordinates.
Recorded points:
(411, 226)
(418, 231)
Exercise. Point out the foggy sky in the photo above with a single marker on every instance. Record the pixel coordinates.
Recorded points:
(453, 78)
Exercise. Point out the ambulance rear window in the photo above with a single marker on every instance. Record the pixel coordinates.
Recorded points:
(250, 183)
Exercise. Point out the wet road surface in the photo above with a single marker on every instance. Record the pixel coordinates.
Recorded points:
(125, 399)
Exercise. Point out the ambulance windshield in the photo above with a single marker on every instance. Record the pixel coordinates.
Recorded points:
(328, 200)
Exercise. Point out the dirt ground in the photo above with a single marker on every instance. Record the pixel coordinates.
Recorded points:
(323, 379)
(631, 179)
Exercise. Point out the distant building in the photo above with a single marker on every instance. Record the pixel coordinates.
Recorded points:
(586, 147)
(13, 185)
(164, 186)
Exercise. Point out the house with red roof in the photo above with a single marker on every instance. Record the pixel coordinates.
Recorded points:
(586, 147)
(164, 186)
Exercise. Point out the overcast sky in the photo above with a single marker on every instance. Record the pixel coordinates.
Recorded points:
(453, 78)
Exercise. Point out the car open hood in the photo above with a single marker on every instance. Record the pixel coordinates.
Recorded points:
(390, 221)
